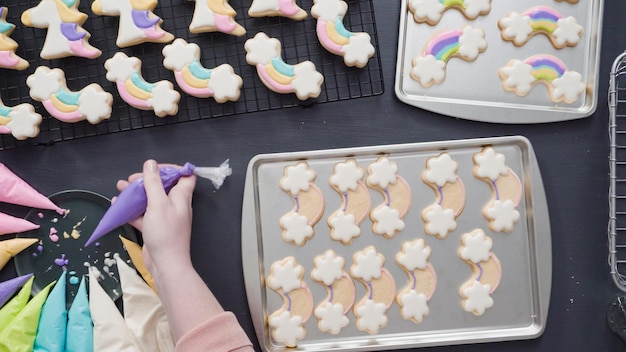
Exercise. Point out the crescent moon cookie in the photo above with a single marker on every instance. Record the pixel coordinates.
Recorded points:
(486, 272)
(413, 299)
(91, 103)
(347, 180)
(520, 27)
(125, 72)
(8, 59)
(215, 16)
(332, 312)
(355, 47)
(221, 82)
(303, 79)
(371, 310)
(431, 11)
(387, 218)
(466, 43)
(441, 175)
(269, 8)
(520, 76)
(21, 121)
(287, 323)
(297, 224)
(506, 188)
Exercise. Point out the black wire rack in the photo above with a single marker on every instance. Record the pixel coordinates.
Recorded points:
(298, 38)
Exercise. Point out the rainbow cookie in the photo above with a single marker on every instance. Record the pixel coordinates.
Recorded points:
(356, 48)
(520, 76)
(21, 121)
(501, 210)
(65, 35)
(8, 59)
(49, 87)
(476, 292)
(431, 11)
(520, 27)
(183, 59)
(430, 66)
(569, 1)
(441, 175)
(287, 323)
(215, 16)
(413, 299)
(284, 8)
(138, 24)
(125, 72)
(387, 217)
(302, 79)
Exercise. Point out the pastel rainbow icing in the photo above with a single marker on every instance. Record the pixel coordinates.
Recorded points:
(443, 45)
(21, 121)
(546, 67)
(8, 59)
(431, 11)
(543, 18)
(561, 31)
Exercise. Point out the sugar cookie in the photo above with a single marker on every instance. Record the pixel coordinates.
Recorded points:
(8, 59)
(347, 180)
(125, 72)
(568, 1)
(520, 27)
(297, 224)
(431, 11)
(520, 76)
(48, 86)
(183, 59)
(476, 292)
(413, 299)
(284, 8)
(371, 311)
(21, 121)
(287, 323)
(506, 188)
(387, 218)
(441, 175)
(355, 47)
(65, 35)
(138, 24)
(215, 16)
(430, 66)
(332, 312)
(302, 79)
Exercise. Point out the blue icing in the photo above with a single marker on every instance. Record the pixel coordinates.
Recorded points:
(68, 98)
(341, 29)
(141, 83)
(5, 26)
(79, 324)
(69, 3)
(53, 319)
(5, 110)
(198, 71)
(282, 67)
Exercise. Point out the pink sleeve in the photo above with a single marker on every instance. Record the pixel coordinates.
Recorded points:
(220, 333)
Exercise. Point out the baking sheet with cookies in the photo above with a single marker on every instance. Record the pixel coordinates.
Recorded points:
(474, 89)
(520, 301)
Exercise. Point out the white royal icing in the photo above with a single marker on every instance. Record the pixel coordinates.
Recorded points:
(518, 76)
(329, 10)
(164, 98)
(428, 70)
(344, 227)
(478, 297)
(371, 316)
(264, 5)
(516, 26)
(430, 10)
(331, 317)
(307, 81)
(382, 173)
(180, 54)
(202, 15)
(346, 176)
(46, 15)
(491, 164)
(285, 276)
(94, 103)
(568, 31)
(44, 83)
(568, 87)
(288, 329)
(297, 228)
(441, 170)
(368, 265)
(120, 67)
(476, 247)
(328, 268)
(297, 178)
(261, 49)
(473, 8)
(471, 43)
(388, 221)
(503, 215)
(414, 305)
(24, 121)
(414, 255)
(225, 83)
(358, 50)
(440, 221)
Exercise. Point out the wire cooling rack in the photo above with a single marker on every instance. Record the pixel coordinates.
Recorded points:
(298, 38)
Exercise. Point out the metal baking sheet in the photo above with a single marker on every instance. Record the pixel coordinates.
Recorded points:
(473, 90)
(521, 301)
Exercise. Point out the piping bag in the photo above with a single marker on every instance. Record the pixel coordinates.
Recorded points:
(132, 202)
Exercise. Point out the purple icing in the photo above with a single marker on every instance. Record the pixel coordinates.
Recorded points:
(9, 287)
(142, 19)
(69, 31)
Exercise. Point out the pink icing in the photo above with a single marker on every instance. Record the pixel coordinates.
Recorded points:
(63, 116)
(17, 191)
(189, 89)
(4, 130)
(287, 7)
(11, 224)
(78, 48)
(153, 33)
(127, 97)
(438, 38)
(8, 59)
(224, 23)
(280, 88)
(323, 37)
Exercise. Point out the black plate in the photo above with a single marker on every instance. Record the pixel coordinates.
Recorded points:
(85, 211)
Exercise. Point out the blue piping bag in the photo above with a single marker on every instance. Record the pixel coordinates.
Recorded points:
(132, 202)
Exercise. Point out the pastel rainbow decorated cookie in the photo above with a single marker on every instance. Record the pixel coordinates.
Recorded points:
(387, 217)
(347, 180)
(183, 59)
(125, 72)
(569, 1)
(520, 27)
(8, 59)
(287, 323)
(215, 16)
(413, 298)
(21, 121)
(431, 11)
(355, 47)
(48, 86)
(138, 24)
(297, 224)
(520, 76)
(476, 292)
(441, 175)
(283, 8)
(371, 311)
(430, 66)
(501, 210)
(332, 312)
(265, 54)
(65, 36)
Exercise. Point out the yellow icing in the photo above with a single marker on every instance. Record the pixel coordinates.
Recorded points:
(59, 105)
(220, 7)
(143, 4)
(331, 31)
(69, 14)
(276, 76)
(134, 251)
(4, 120)
(136, 92)
(191, 80)
(7, 43)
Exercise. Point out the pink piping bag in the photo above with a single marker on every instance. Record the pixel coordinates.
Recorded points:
(11, 224)
(132, 202)
(14, 190)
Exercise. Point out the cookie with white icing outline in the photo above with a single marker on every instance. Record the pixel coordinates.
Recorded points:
(431, 11)
(271, 8)
(413, 298)
(569, 1)
(215, 16)
(21, 121)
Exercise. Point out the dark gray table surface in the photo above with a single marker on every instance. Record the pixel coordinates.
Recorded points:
(573, 158)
